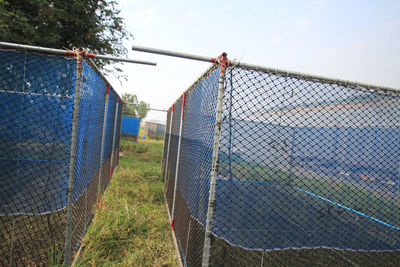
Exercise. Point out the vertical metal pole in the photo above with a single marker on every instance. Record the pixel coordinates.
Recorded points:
(262, 258)
(169, 144)
(12, 242)
(214, 166)
(103, 138)
(119, 131)
(177, 161)
(72, 159)
(188, 237)
(230, 127)
(114, 137)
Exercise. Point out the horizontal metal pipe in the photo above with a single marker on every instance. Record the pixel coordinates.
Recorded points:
(267, 69)
(172, 53)
(120, 59)
(71, 53)
(34, 48)
(313, 77)
(155, 109)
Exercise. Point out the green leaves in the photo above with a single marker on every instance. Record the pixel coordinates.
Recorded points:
(134, 107)
(142, 109)
(91, 24)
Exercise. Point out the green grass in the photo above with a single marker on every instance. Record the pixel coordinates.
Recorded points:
(131, 227)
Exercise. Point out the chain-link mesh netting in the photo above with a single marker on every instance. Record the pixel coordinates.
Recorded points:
(167, 135)
(116, 136)
(36, 100)
(193, 176)
(308, 174)
(173, 152)
(108, 140)
(194, 166)
(36, 110)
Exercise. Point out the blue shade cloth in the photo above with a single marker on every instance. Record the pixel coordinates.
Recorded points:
(306, 164)
(36, 106)
(197, 144)
(35, 131)
(37, 94)
(195, 159)
(112, 101)
(130, 125)
(305, 168)
(90, 129)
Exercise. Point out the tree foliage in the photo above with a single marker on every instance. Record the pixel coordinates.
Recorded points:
(91, 24)
(133, 107)
(142, 109)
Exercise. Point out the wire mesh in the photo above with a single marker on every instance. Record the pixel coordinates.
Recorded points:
(173, 153)
(195, 165)
(117, 135)
(308, 173)
(36, 107)
(106, 170)
(166, 144)
(307, 165)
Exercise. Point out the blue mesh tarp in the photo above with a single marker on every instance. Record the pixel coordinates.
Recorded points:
(37, 95)
(304, 164)
(190, 213)
(173, 152)
(197, 144)
(116, 135)
(90, 127)
(112, 100)
(118, 129)
(35, 128)
(307, 172)
(130, 125)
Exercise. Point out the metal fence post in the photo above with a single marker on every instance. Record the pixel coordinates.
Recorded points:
(72, 160)
(103, 138)
(214, 167)
(119, 132)
(168, 146)
(177, 161)
(114, 137)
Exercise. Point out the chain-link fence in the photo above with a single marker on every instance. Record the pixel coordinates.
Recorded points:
(52, 115)
(308, 172)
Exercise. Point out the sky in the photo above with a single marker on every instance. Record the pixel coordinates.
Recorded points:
(351, 40)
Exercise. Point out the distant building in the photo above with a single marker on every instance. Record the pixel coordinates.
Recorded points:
(154, 130)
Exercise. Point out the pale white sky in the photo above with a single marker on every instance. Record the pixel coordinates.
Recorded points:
(352, 40)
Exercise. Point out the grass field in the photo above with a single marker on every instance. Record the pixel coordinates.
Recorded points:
(131, 227)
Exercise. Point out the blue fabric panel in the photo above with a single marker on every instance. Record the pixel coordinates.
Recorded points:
(130, 125)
